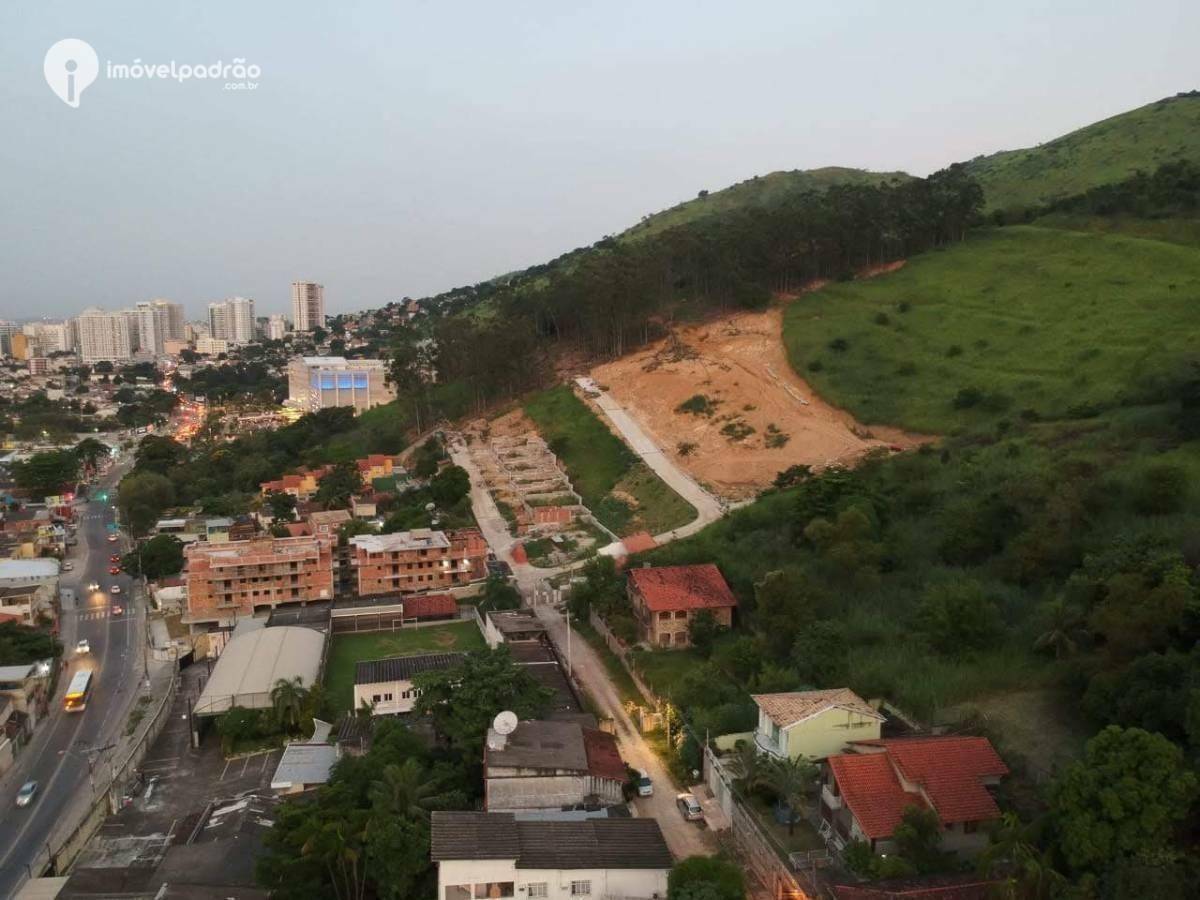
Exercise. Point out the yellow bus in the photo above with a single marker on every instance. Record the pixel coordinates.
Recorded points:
(77, 691)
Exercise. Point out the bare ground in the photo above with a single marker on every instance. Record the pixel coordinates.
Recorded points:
(740, 366)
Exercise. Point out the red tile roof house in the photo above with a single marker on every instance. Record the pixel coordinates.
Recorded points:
(667, 598)
(865, 792)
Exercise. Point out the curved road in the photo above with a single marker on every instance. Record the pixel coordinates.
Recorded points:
(57, 757)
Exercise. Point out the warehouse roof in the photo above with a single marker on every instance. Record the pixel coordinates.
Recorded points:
(403, 668)
(251, 663)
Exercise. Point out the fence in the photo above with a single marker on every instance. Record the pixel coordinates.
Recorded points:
(760, 852)
(107, 798)
(622, 653)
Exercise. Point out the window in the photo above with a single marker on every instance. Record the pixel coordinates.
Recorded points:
(681, 614)
(664, 638)
(970, 827)
(581, 888)
(664, 616)
(538, 889)
(494, 890)
(458, 892)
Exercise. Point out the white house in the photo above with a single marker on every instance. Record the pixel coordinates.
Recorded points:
(495, 856)
(386, 684)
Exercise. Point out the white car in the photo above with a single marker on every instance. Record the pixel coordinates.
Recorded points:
(112, 538)
(689, 807)
(94, 586)
(83, 647)
(68, 566)
(645, 787)
(26, 794)
(115, 589)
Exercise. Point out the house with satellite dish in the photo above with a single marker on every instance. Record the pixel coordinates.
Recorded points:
(551, 766)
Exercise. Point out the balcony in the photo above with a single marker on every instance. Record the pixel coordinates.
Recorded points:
(829, 798)
(767, 745)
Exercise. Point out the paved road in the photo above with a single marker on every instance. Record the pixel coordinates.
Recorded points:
(683, 838)
(56, 757)
(708, 508)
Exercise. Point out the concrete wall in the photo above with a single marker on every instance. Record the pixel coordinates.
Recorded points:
(506, 790)
(398, 703)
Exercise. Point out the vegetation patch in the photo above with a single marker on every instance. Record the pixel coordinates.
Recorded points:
(606, 473)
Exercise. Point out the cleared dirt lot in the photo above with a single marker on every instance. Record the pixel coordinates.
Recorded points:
(757, 416)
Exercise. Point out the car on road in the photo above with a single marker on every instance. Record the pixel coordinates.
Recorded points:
(82, 646)
(117, 609)
(115, 558)
(93, 586)
(689, 807)
(112, 538)
(68, 566)
(27, 792)
(645, 787)
(115, 589)
(114, 570)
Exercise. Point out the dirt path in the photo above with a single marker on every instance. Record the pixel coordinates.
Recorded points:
(740, 367)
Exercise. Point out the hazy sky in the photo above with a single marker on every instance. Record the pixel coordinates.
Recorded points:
(402, 148)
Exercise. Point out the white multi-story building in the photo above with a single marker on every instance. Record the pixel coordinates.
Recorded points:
(105, 336)
(319, 382)
(153, 326)
(53, 337)
(277, 328)
(232, 320)
(308, 305)
(211, 346)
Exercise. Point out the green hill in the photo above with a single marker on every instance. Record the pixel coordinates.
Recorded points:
(761, 191)
(1038, 321)
(1100, 153)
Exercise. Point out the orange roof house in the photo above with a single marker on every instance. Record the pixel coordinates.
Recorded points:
(666, 599)
(867, 791)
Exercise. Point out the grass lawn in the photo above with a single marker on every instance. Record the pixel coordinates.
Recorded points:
(603, 470)
(801, 837)
(662, 669)
(1016, 322)
(349, 649)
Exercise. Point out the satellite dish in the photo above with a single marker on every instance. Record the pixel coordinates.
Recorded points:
(430, 507)
(505, 722)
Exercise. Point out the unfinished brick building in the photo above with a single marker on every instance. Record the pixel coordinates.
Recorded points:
(419, 560)
(233, 579)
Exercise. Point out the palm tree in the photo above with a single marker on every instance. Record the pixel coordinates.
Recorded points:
(1064, 626)
(1027, 872)
(749, 766)
(289, 698)
(791, 780)
(404, 790)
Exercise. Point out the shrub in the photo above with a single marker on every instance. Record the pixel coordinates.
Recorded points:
(737, 430)
(967, 397)
(815, 365)
(839, 345)
(685, 448)
(698, 405)
(954, 350)
(882, 319)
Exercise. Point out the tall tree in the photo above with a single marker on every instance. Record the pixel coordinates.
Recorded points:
(46, 473)
(1124, 798)
(288, 699)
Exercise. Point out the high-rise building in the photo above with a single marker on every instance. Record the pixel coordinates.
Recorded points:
(21, 346)
(105, 336)
(153, 326)
(308, 305)
(232, 320)
(319, 382)
(276, 328)
(175, 321)
(52, 337)
(7, 330)
(39, 365)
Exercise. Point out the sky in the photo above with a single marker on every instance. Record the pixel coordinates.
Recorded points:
(395, 149)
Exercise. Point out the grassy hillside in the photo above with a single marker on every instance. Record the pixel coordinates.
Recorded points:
(620, 490)
(758, 192)
(1019, 322)
(1100, 153)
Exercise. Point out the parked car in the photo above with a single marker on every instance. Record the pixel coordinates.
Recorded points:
(82, 646)
(645, 787)
(115, 589)
(689, 807)
(68, 566)
(27, 792)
